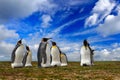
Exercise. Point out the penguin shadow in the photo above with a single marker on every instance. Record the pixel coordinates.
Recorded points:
(55, 66)
(23, 67)
(85, 65)
(17, 67)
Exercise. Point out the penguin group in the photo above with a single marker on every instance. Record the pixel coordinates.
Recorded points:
(47, 56)
(50, 56)
(21, 56)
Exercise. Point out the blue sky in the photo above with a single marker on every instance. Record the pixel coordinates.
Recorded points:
(67, 22)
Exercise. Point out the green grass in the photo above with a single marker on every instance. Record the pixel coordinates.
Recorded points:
(109, 70)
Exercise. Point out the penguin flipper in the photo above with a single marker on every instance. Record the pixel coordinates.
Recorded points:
(45, 56)
(59, 49)
(13, 53)
(25, 59)
(12, 57)
(39, 56)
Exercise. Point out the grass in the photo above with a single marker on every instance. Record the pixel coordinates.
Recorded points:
(107, 70)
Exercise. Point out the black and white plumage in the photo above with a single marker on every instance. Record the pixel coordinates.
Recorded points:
(63, 59)
(27, 57)
(13, 52)
(91, 54)
(17, 55)
(55, 53)
(85, 54)
(43, 53)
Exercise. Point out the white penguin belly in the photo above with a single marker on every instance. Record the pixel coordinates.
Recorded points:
(63, 60)
(85, 56)
(48, 54)
(55, 57)
(29, 59)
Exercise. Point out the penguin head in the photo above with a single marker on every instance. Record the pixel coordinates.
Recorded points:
(27, 48)
(53, 43)
(45, 39)
(19, 42)
(85, 43)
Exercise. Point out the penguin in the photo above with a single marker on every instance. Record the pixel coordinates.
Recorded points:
(43, 54)
(55, 54)
(63, 59)
(85, 54)
(27, 58)
(17, 55)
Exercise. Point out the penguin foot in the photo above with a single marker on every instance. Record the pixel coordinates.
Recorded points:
(16, 65)
(28, 65)
(85, 65)
(46, 65)
(63, 64)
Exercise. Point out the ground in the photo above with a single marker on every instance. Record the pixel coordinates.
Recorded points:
(107, 70)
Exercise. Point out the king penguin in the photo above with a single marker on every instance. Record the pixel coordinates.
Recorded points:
(43, 54)
(63, 59)
(17, 55)
(55, 53)
(27, 58)
(85, 54)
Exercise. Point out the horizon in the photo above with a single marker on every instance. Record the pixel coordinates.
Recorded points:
(68, 23)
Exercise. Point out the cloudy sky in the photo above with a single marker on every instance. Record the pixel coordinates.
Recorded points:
(67, 22)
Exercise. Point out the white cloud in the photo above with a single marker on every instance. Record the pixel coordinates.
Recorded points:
(83, 32)
(115, 45)
(19, 9)
(105, 52)
(46, 6)
(14, 9)
(103, 5)
(74, 56)
(6, 33)
(92, 20)
(79, 2)
(58, 29)
(65, 49)
(110, 17)
(107, 55)
(46, 19)
(6, 50)
(99, 12)
(110, 26)
(118, 9)
(111, 22)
